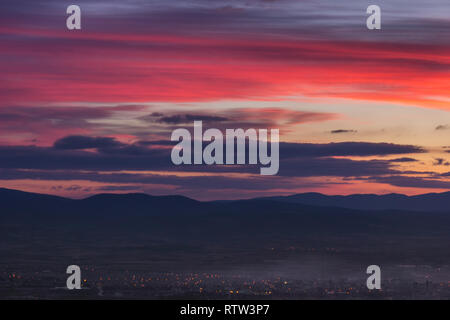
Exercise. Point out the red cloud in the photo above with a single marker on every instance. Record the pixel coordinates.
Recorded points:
(48, 66)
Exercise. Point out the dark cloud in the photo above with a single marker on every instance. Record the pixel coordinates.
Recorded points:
(62, 115)
(122, 158)
(442, 127)
(335, 167)
(187, 182)
(85, 142)
(440, 162)
(343, 131)
(112, 155)
(67, 159)
(404, 159)
(291, 174)
(155, 114)
(240, 117)
(183, 118)
(288, 150)
(48, 123)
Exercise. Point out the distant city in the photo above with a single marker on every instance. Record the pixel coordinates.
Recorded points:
(126, 284)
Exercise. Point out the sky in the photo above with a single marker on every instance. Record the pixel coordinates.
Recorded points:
(92, 110)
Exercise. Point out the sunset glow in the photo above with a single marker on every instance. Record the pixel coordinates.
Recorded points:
(358, 111)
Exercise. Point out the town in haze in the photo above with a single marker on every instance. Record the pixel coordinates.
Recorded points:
(196, 149)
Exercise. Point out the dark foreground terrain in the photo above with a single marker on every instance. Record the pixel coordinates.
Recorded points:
(139, 246)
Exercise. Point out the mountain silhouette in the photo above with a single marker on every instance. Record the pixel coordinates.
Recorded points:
(20, 201)
(182, 217)
(424, 202)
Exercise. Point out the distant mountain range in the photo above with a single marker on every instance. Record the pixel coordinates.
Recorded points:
(19, 201)
(180, 219)
(424, 202)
